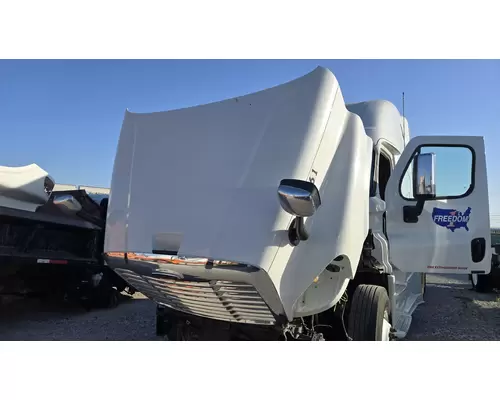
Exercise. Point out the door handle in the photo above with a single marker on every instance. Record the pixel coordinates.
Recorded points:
(478, 249)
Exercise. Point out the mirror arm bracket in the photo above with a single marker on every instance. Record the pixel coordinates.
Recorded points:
(297, 231)
(411, 213)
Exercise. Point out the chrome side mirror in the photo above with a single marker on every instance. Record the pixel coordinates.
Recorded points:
(424, 185)
(67, 202)
(301, 199)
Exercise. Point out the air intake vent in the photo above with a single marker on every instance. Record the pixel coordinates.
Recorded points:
(216, 299)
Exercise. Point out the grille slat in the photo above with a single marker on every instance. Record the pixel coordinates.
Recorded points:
(249, 311)
(183, 291)
(186, 294)
(193, 303)
(249, 307)
(239, 296)
(222, 300)
(198, 309)
(180, 283)
(243, 302)
(174, 288)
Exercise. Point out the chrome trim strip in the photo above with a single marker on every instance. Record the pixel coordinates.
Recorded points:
(176, 260)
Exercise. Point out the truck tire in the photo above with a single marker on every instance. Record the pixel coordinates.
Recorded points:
(424, 284)
(105, 298)
(481, 283)
(369, 316)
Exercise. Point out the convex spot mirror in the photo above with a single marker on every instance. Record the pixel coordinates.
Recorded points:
(299, 198)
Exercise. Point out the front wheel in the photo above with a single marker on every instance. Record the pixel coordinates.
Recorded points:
(370, 314)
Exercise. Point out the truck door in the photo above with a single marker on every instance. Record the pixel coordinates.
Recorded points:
(442, 224)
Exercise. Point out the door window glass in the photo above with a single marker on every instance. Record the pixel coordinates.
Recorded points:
(443, 171)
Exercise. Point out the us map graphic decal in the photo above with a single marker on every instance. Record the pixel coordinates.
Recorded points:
(450, 218)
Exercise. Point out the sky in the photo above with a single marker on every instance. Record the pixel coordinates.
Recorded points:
(65, 115)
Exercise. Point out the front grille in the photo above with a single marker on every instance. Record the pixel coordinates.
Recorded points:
(216, 299)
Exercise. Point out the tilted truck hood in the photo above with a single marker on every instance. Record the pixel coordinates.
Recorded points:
(203, 181)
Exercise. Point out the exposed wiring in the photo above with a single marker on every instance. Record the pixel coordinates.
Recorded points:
(318, 325)
(305, 325)
(345, 299)
(343, 325)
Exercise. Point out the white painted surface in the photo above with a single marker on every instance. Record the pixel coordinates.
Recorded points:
(426, 247)
(203, 181)
(23, 187)
(210, 174)
(63, 186)
(382, 121)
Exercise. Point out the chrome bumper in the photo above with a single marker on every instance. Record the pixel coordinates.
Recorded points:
(218, 290)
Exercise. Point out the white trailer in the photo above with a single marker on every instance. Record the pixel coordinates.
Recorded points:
(287, 214)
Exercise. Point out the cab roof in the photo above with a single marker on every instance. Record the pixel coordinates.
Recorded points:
(382, 120)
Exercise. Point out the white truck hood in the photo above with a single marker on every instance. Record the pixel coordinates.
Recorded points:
(202, 181)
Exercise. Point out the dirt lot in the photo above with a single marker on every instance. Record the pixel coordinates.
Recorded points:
(455, 312)
(452, 312)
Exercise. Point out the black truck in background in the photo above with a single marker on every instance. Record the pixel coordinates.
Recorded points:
(57, 250)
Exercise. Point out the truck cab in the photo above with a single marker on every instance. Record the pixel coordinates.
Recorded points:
(287, 214)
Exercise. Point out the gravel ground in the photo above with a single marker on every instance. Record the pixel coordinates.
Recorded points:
(133, 319)
(452, 312)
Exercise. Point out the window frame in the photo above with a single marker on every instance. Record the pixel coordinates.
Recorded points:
(414, 172)
(382, 147)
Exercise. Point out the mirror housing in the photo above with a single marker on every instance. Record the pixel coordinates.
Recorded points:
(424, 186)
(67, 202)
(299, 198)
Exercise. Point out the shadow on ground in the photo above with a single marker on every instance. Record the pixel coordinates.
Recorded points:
(14, 308)
(32, 319)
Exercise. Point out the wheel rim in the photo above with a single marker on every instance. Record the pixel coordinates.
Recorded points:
(474, 279)
(386, 327)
